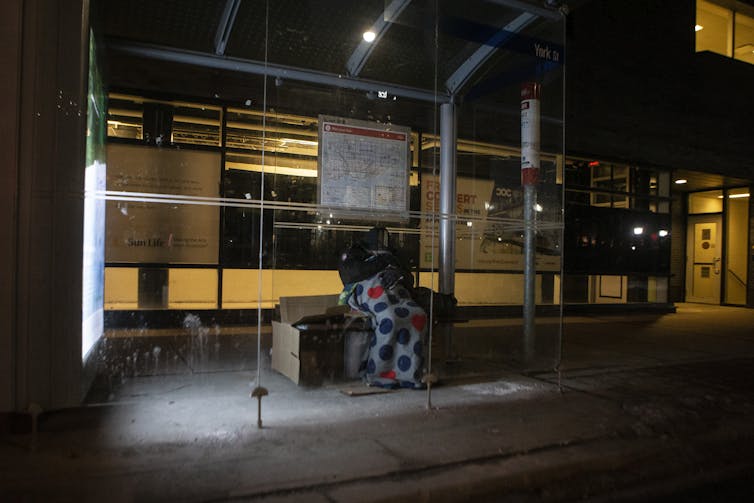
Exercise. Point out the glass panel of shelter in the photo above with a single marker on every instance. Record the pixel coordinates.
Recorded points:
(256, 173)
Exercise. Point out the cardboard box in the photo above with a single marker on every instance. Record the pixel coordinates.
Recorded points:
(308, 343)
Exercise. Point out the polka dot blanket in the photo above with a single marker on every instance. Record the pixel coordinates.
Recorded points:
(394, 358)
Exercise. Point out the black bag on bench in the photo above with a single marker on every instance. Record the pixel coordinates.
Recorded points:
(443, 304)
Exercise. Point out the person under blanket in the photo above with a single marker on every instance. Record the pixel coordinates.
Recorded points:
(376, 284)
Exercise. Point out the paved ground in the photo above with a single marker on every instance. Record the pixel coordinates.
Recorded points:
(646, 408)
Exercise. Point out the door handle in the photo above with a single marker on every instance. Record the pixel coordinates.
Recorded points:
(717, 265)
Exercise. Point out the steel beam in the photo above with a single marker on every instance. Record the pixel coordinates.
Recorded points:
(239, 65)
(551, 14)
(464, 72)
(226, 25)
(380, 26)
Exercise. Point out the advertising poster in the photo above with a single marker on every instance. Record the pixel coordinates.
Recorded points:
(162, 232)
(364, 165)
(489, 230)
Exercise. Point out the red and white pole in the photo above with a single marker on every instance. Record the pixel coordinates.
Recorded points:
(530, 133)
(530, 120)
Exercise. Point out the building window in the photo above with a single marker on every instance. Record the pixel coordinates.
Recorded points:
(710, 201)
(744, 43)
(714, 28)
(596, 183)
(163, 122)
(725, 31)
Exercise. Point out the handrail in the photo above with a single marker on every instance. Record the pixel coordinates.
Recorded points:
(736, 276)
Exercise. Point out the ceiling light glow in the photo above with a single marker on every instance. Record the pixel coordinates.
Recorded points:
(369, 36)
(681, 181)
(638, 231)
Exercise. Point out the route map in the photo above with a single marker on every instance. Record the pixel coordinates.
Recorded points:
(363, 165)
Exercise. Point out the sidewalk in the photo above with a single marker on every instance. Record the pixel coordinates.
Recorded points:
(649, 408)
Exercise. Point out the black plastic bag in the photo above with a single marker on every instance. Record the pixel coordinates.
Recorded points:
(443, 305)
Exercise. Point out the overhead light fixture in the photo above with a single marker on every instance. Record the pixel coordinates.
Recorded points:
(681, 181)
(663, 233)
(698, 27)
(737, 196)
(369, 36)
(638, 231)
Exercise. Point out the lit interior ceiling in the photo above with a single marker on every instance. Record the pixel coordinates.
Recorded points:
(696, 181)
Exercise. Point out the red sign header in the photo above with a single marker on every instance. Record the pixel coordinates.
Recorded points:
(374, 133)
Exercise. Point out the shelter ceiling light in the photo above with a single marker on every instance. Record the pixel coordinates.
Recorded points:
(681, 181)
(736, 196)
(369, 36)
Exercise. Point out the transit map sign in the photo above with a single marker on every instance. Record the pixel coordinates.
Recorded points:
(364, 166)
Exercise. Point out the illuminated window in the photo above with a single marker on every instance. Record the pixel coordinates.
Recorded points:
(724, 31)
(182, 123)
(706, 202)
(714, 28)
(744, 43)
(610, 183)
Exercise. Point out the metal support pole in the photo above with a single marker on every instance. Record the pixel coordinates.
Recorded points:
(530, 269)
(447, 259)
